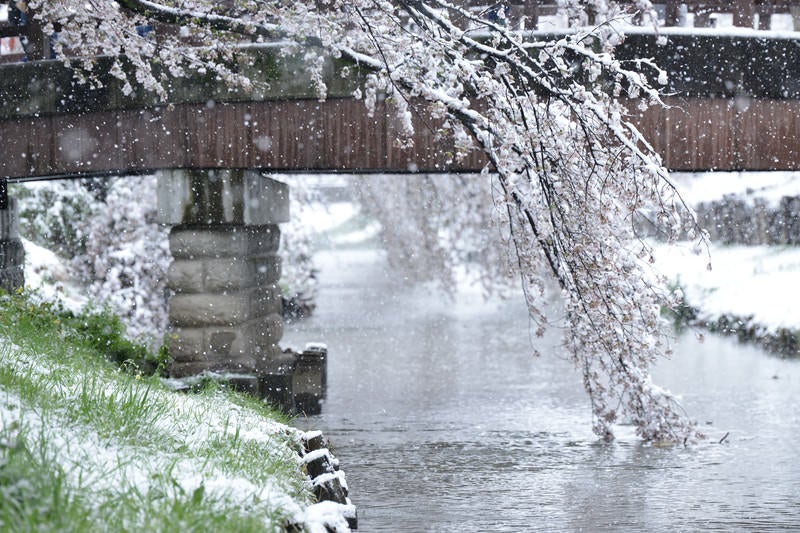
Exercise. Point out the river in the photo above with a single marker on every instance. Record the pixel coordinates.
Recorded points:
(444, 421)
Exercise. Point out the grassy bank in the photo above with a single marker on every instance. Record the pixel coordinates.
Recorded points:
(750, 292)
(90, 442)
(782, 341)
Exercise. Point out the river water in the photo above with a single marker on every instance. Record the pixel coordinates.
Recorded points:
(444, 421)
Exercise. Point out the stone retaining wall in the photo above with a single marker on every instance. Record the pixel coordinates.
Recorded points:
(12, 253)
(328, 482)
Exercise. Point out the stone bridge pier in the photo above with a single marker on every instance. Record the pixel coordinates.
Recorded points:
(12, 253)
(225, 310)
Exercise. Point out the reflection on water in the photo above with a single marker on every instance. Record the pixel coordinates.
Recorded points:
(445, 422)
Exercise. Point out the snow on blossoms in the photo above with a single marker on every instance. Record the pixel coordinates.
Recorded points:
(567, 172)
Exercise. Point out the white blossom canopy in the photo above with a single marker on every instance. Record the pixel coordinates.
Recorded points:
(569, 174)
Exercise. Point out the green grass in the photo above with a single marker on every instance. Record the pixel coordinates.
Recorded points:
(91, 442)
(683, 314)
(93, 330)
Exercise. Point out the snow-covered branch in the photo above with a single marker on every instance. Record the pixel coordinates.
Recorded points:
(175, 15)
(568, 173)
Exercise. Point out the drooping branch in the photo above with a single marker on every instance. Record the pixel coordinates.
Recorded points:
(569, 170)
(177, 16)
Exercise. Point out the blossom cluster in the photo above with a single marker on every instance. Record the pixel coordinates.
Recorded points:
(568, 173)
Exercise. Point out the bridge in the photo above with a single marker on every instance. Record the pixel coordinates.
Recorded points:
(68, 129)
(210, 146)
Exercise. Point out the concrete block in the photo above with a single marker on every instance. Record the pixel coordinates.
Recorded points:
(244, 364)
(237, 341)
(222, 342)
(197, 310)
(266, 200)
(228, 349)
(233, 196)
(308, 394)
(265, 301)
(9, 221)
(216, 275)
(268, 358)
(277, 390)
(262, 240)
(309, 381)
(185, 275)
(223, 309)
(266, 331)
(191, 242)
(247, 383)
(182, 370)
(315, 357)
(329, 489)
(267, 269)
(187, 345)
(241, 365)
(228, 273)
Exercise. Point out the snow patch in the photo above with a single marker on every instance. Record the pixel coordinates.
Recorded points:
(711, 186)
(757, 281)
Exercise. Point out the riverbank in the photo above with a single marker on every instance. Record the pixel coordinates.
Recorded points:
(88, 441)
(751, 290)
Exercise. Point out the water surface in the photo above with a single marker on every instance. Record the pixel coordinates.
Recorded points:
(444, 421)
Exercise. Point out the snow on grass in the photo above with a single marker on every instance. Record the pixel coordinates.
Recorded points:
(744, 281)
(113, 436)
(706, 187)
(757, 281)
(100, 446)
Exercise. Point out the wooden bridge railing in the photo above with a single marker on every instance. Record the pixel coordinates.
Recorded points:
(743, 11)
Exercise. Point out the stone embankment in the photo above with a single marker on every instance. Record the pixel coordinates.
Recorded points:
(333, 507)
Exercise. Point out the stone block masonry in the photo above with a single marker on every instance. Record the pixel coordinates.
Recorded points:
(225, 309)
(12, 253)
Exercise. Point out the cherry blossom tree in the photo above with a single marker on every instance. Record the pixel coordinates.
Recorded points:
(567, 177)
